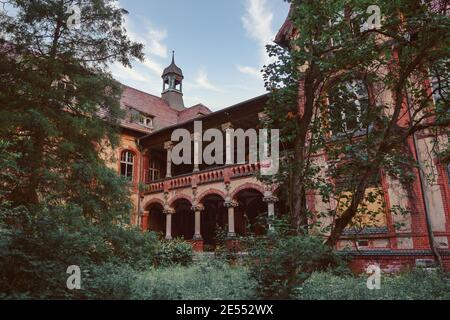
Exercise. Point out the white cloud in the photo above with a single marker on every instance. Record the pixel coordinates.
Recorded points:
(257, 22)
(255, 72)
(150, 36)
(155, 67)
(124, 73)
(154, 45)
(203, 82)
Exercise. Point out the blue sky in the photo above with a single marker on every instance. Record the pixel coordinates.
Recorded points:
(218, 44)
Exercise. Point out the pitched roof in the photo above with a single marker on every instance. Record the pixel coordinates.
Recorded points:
(286, 31)
(158, 108)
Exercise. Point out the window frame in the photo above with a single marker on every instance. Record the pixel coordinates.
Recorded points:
(356, 102)
(154, 171)
(125, 161)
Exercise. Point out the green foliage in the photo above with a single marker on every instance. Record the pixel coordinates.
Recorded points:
(108, 282)
(206, 281)
(344, 72)
(34, 259)
(174, 252)
(60, 204)
(415, 285)
(281, 262)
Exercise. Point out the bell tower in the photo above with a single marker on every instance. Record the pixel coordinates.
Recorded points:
(173, 85)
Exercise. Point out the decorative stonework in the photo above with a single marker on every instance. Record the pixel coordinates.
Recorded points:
(231, 204)
(270, 199)
(169, 211)
(198, 207)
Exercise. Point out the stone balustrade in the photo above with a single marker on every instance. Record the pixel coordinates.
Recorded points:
(203, 177)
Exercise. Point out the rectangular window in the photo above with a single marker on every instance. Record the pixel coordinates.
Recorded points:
(154, 171)
(127, 164)
(371, 212)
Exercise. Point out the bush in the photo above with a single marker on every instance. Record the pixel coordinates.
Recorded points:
(415, 285)
(206, 281)
(108, 282)
(133, 248)
(279, 264)
(34, 259)
(174, 252)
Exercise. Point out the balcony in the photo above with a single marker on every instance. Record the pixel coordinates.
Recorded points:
(225, 173)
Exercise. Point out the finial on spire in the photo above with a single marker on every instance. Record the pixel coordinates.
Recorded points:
(173, 56)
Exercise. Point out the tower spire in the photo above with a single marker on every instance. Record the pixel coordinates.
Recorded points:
(173, 85)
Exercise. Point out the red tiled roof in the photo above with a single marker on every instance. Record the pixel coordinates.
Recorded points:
(158, 108)
(193, 112)
(148, 104)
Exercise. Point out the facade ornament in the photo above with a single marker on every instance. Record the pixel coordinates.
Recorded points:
(169, 211)
(198, 207)
(231, 204)
(270, 199)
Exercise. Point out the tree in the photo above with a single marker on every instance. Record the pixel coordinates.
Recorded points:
(328, 94)
(55, 89)
(60, 204)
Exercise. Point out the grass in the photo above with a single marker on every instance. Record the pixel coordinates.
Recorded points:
(213, 279)
(413, 285)
(203, 281)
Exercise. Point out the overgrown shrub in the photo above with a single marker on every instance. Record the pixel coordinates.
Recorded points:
(34, 259)
(205, 281)
(108, 282)
(174, 252)
(415, 285)
(281, 262)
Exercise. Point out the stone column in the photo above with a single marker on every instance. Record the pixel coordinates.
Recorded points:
(169, 213)
(229, 150)
(198, 239)
(231, 226)
(270, 200)
(169, 146)
(198, 215)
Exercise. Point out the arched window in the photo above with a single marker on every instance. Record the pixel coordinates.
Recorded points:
(347, 103)
(127, 164)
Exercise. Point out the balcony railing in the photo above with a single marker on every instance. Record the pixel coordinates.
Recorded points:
(203, 177)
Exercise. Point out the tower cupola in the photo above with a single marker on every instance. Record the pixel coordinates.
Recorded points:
(173, 85)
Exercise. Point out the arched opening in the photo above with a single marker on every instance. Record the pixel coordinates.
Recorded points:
(157, 218)
(251, 214)
(183, 220)
(213, 219)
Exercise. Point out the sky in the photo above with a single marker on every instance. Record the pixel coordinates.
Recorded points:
(219, 45)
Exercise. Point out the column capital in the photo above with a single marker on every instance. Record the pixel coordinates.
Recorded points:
(270, 199)
(169, 211)
(145, 213)
(231, 204)
(168, 145)
(226, 126)
(198, 207)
